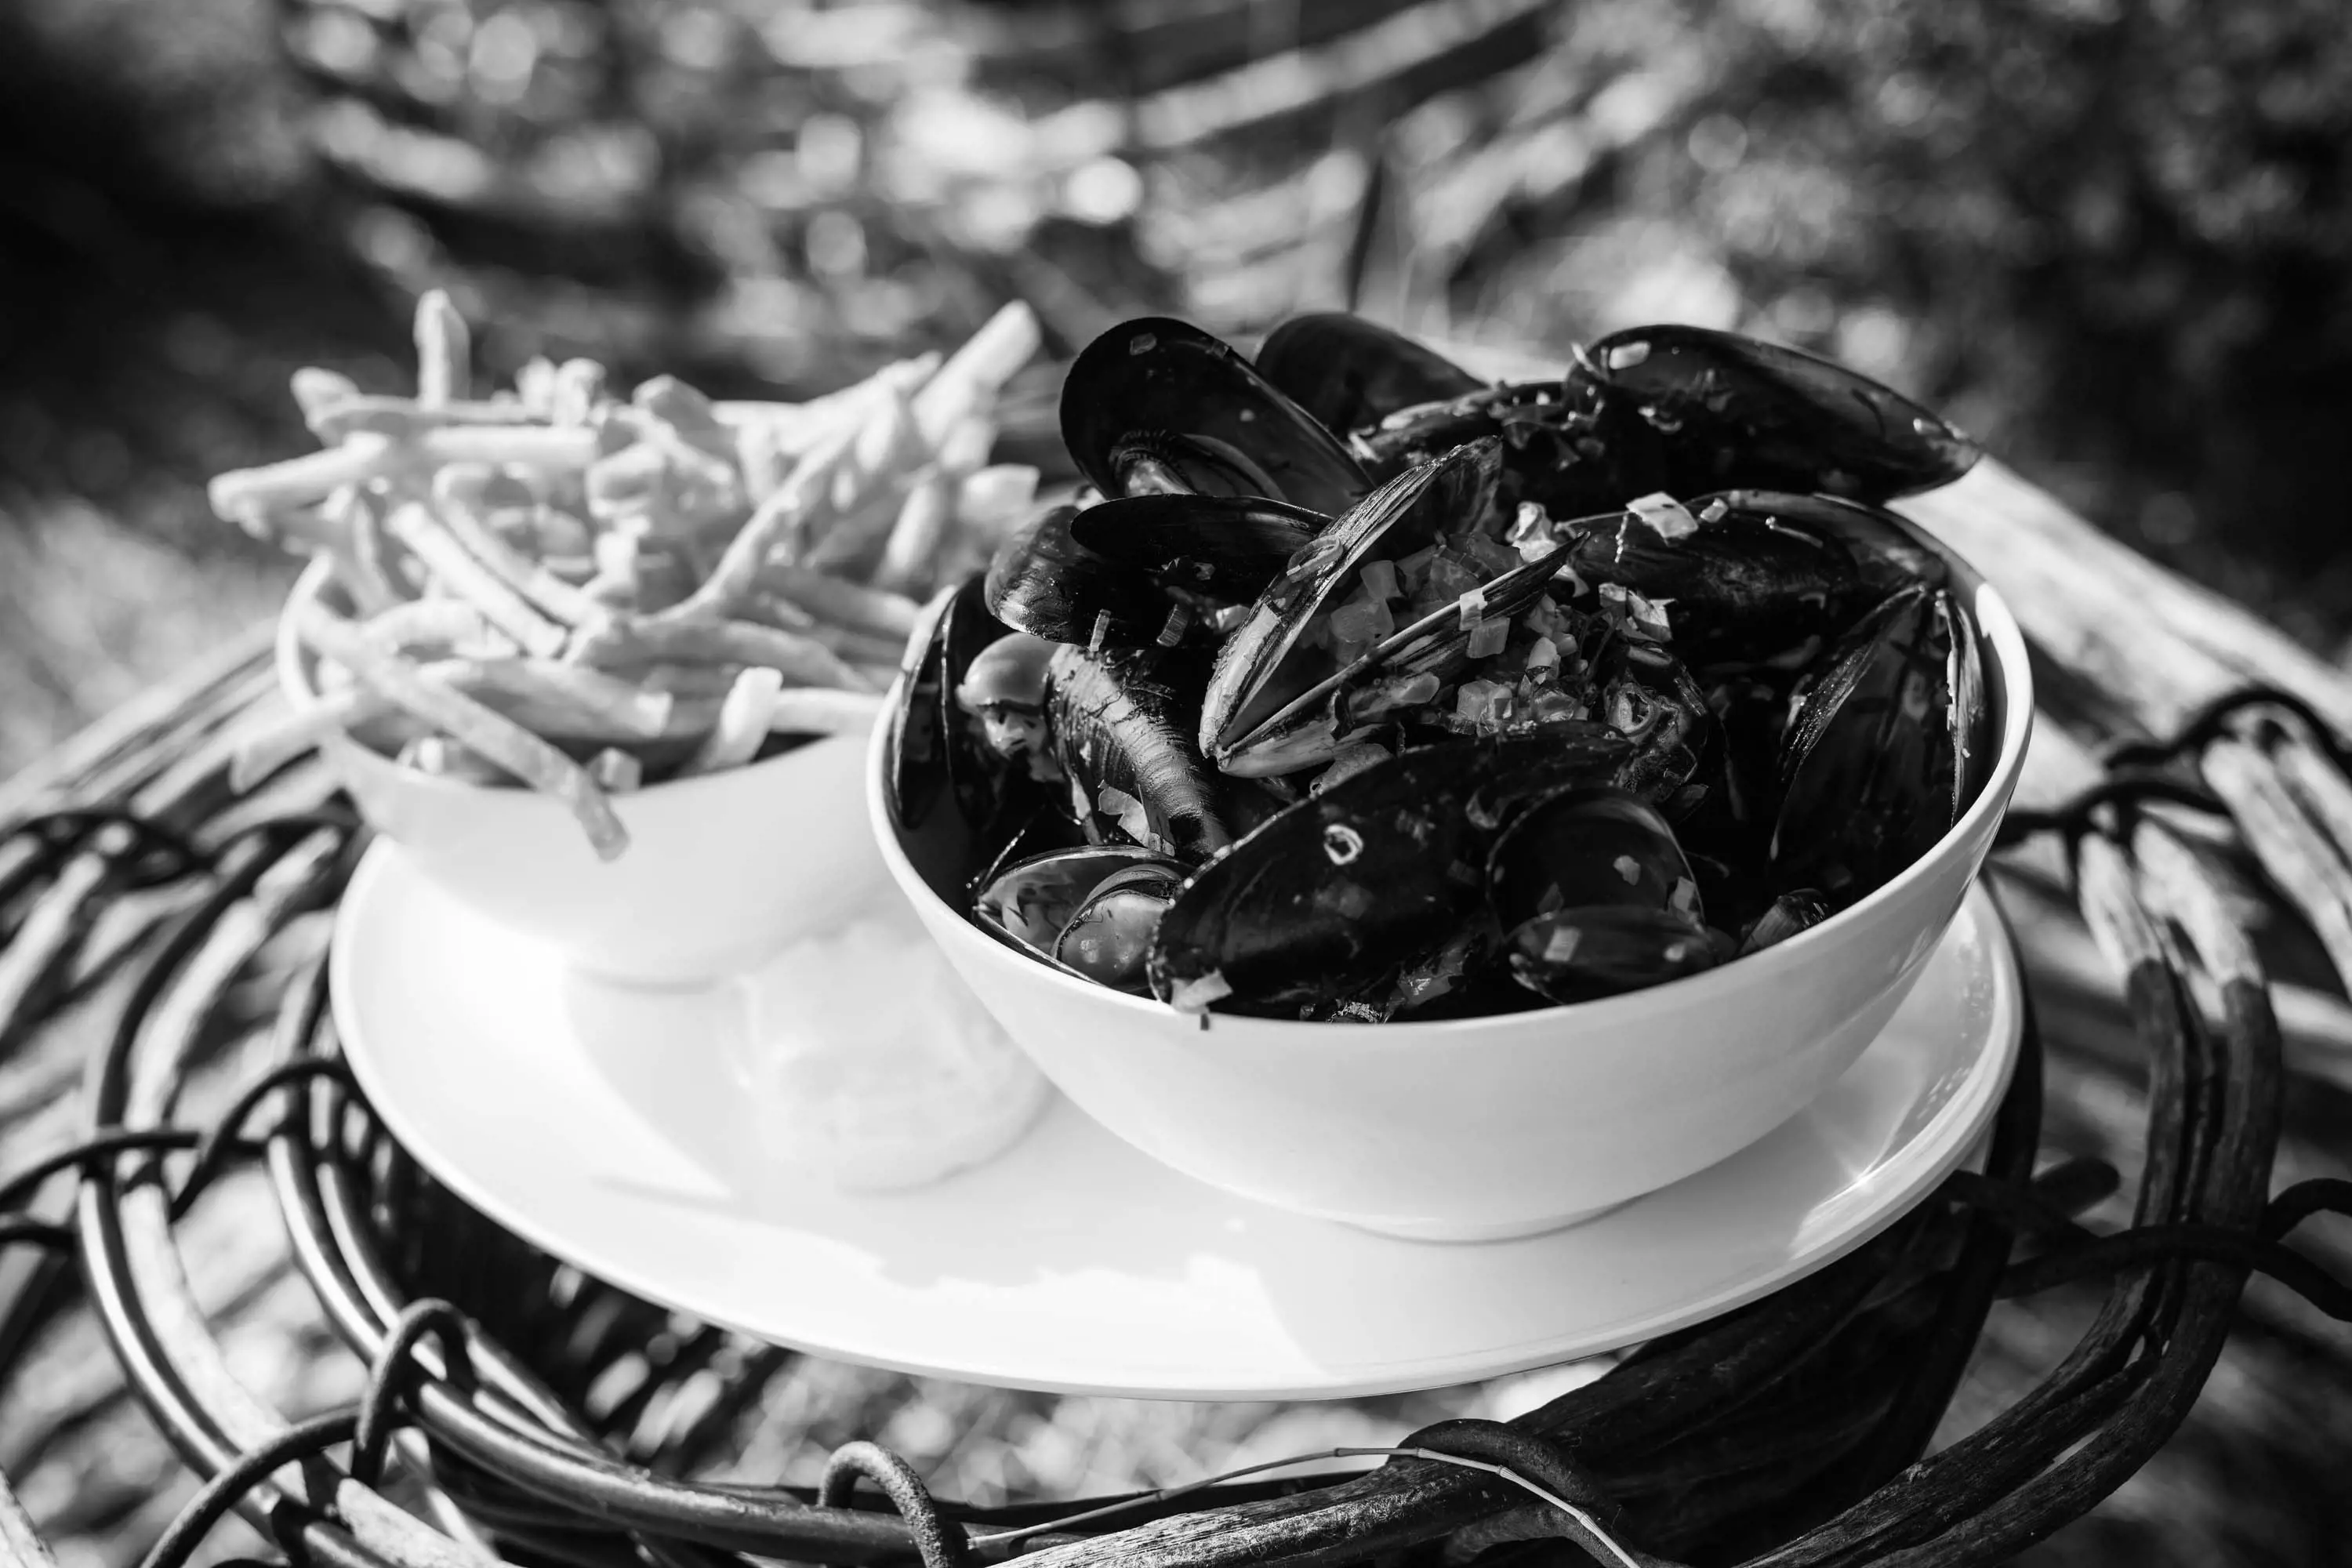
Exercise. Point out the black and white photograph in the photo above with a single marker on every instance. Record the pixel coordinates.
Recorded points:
(1175, 784)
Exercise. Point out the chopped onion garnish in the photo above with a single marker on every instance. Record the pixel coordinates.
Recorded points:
(1667, 518)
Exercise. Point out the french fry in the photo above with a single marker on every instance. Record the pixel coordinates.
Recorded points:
(975, 372)
(791, 509)
(561, 700)
(761, 457)
(439, 755)
(535, 386)
(995, 501)
(579, 386)
(444, 351)
(687, 683)
(861, 648)
(316, 391)
(311, 476)
(442, 622)
(365, 457)
(529, 580)
(292, 732)
(798, 710)
(498, 739)
(742, 723)
(429, 538)
(910, 554)
(843, 602)
(372, 415)
(964, 448)
(660, 640)
(616, 771)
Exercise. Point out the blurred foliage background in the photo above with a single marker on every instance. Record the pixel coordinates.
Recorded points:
(2113, 237)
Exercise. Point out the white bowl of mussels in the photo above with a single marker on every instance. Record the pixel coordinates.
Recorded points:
(1447, 807)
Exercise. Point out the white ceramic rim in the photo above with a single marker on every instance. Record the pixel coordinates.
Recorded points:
(1955, 1136)
(2012, 684)
(292, 660)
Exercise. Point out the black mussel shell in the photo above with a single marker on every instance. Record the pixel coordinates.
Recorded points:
(1108, 939)
(1160, 462)
(1583, 845)
(1351, 374)
(1889, 749)
(1595, 897)
(1338, 896)
(1042, 580)
(1738, 412)
(1314, 726)
(1223, 549)
(1566, 446)
(1261, 669)
(1744, 585)
(1158, 375)
(1887, 554)
(1031, 902)
(951, 799)
(1123, 724)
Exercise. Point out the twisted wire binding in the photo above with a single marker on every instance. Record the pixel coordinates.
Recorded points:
(2136, 769)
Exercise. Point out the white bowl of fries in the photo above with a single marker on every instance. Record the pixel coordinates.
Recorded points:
(604, 669)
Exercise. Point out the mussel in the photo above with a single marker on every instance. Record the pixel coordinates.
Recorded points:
(1044, 581)
(951, 793)
(1741, 582)
(1594, 897)
(1265, 667)
(1889, 749)
(1733, 411)
(1122, 726)
(1149, 380)
(1351, 374)
(1210, 551)
(1348, 891)
(1090, 911)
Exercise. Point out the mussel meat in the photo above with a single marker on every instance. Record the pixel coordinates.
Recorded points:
(1122, 726)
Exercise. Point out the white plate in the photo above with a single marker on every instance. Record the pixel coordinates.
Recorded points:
(1073, 1263)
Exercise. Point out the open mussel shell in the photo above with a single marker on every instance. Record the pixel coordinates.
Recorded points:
(1108, 939)
(1595, 897)
(1262, 668)
(1032, 903)
(1886, 554)
(1123, 724)
(1042, 580)
(1736, 412)
(1225, 549)
(950, 798)
(1340, 894)
(1314, 726)
(1351, 373)
(1743, 583)
(1888, 750)
(1157, 376)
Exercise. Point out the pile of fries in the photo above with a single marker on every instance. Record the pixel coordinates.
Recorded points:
(558, 588)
